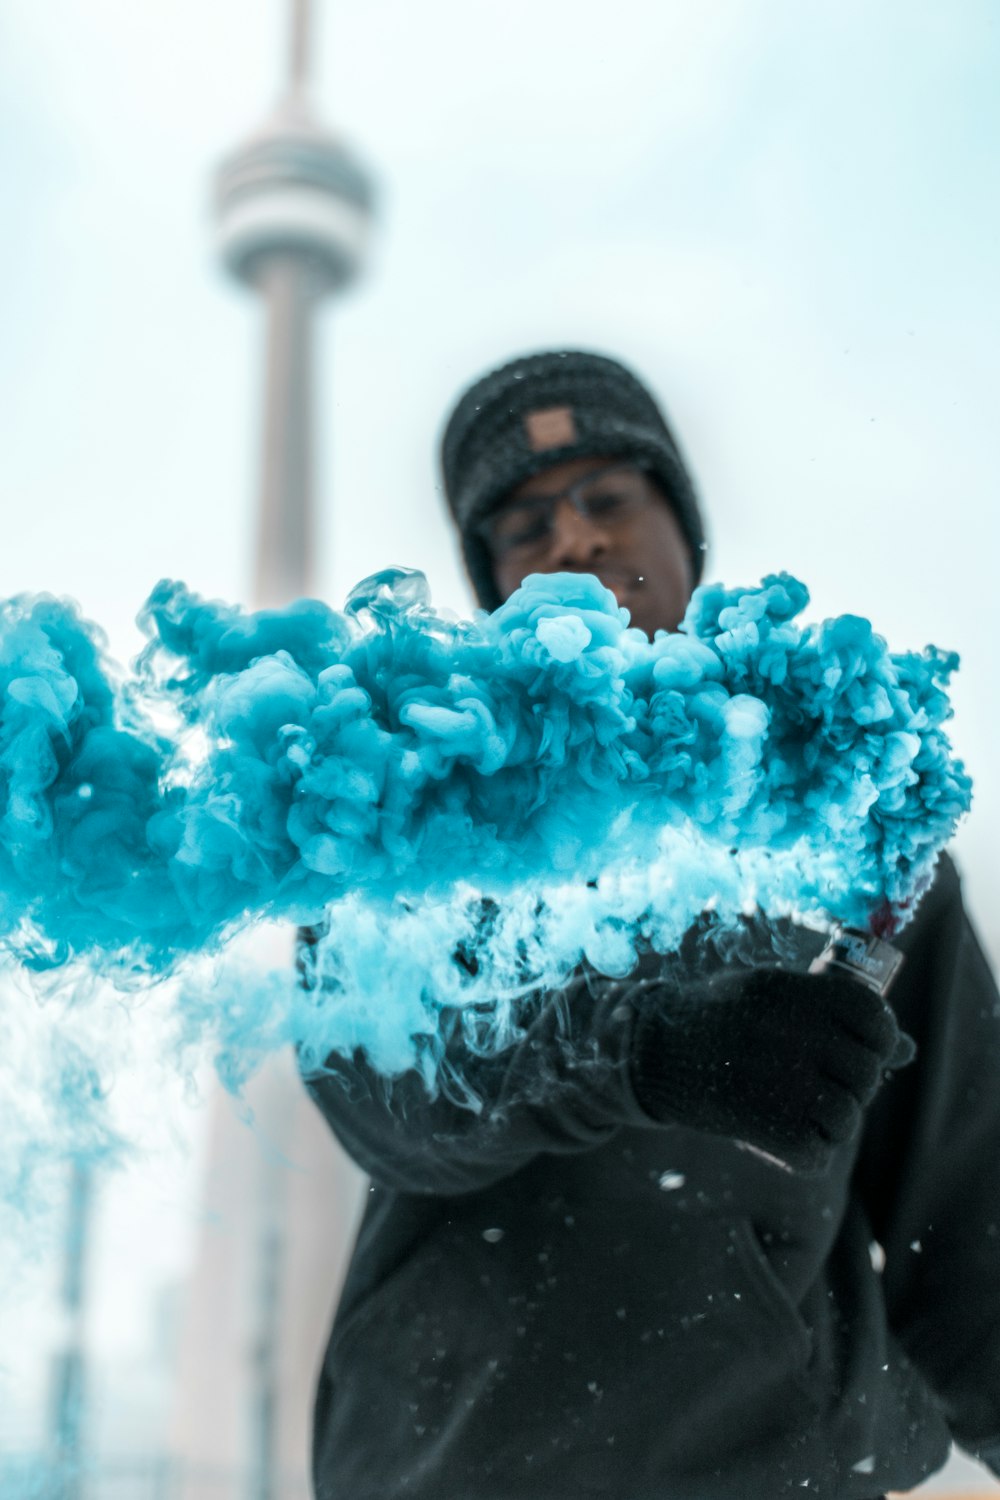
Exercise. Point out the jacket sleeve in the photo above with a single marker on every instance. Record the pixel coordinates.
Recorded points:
(930, 1171)
(565, 1086)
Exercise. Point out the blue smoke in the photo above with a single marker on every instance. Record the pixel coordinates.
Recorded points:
(469, 807)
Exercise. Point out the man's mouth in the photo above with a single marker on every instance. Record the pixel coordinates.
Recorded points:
(621, 580)
(618, 579)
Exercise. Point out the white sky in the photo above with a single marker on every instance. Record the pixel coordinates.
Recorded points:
(784, 216)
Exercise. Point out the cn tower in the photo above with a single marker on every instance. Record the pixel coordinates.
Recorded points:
(292, 217)
(293, 213)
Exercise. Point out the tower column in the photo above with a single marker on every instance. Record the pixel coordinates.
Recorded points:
(286, 542)
(293, 212)
(69, 1376)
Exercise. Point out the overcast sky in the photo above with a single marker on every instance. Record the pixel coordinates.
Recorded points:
(785, 216)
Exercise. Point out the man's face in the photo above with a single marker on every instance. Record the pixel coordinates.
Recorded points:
(615, 524)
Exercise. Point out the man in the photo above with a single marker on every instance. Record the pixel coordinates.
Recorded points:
(699, 1241)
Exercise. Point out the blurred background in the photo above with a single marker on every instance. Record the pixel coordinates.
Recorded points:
(223, 218)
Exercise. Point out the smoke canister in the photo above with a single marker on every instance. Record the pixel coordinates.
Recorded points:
(867, 958)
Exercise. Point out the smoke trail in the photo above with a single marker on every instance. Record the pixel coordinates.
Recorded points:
(470, 807)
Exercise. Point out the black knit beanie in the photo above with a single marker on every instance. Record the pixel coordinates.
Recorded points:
(543, 409)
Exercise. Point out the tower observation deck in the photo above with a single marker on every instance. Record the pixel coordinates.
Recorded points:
(293, 211)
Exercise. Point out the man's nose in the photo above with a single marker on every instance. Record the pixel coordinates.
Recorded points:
(576, 538)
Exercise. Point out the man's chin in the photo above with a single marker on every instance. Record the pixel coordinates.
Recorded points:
(648, 620)
(626, 586)
(628, 591)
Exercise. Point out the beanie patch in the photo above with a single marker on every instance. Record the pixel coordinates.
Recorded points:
(550, 427)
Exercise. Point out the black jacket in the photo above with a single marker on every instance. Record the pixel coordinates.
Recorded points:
(557, 1298)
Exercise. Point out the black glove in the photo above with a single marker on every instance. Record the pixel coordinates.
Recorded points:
(785, 1062)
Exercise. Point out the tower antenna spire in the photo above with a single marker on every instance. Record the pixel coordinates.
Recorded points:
(299, 44)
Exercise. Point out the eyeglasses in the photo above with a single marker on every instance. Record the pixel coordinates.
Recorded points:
(523, 528)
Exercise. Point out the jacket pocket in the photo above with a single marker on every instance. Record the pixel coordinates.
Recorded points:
(771, 1292)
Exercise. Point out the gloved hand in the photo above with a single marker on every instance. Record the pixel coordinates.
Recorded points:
(783, 1061)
